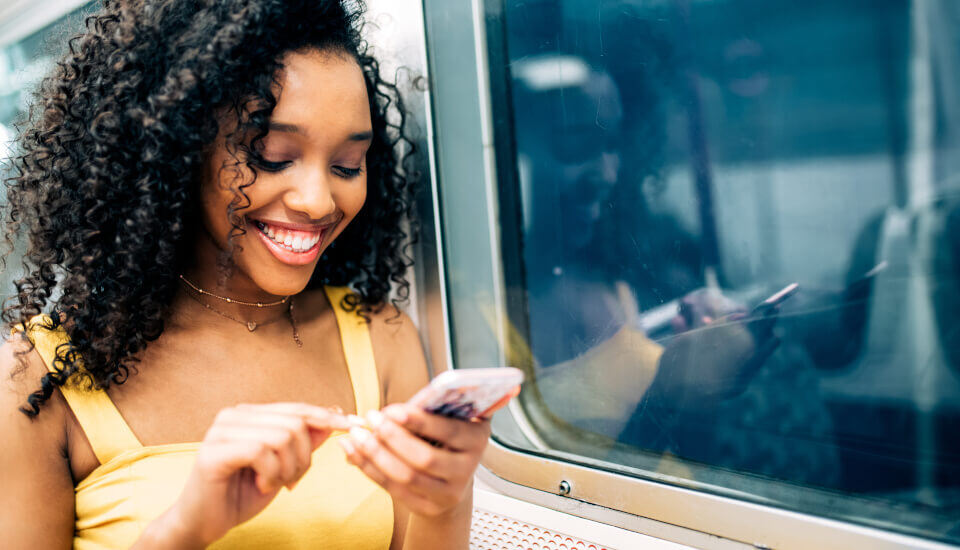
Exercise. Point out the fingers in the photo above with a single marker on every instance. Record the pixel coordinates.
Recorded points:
(320, 418)
(396, 471)
(426, 478)
(283, 445)
(414, 451)
(279, 431)
(228, 457)
(417, 503)
(458, 435)
(283, 435)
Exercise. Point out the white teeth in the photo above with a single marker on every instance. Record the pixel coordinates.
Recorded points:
(297, 243)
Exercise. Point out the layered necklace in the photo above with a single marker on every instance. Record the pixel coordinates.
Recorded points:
(251, 325)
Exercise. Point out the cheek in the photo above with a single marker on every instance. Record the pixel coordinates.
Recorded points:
(352, 198)
(216, 196)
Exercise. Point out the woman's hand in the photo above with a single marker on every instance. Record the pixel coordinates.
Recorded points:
(248, 454)
(429, 479)
(701, 367)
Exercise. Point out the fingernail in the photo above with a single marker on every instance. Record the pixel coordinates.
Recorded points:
(375, 418)
(359, 435)
(357, 421)
(398, 414)
(347, 446)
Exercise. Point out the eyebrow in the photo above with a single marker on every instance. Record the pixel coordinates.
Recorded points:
(361, 136)
(294, 129)
(284, 127)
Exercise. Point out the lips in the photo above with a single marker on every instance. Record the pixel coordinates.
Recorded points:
(292, 244)
(292, 240)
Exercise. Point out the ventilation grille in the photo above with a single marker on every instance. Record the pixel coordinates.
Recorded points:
(495, 532)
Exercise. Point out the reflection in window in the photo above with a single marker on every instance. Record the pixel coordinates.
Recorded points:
(677, 163)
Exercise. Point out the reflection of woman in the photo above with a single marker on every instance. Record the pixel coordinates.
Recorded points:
(571, 139)
(613, 257)
(190, 164)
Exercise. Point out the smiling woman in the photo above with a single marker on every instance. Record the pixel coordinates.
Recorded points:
(202, 180)
(310, 171)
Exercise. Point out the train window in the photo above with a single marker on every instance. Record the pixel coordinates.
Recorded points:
(23, 62)
(728, 236)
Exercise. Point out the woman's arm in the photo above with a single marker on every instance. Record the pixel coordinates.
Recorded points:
(606, 383)
(36, 499)
(403, 371)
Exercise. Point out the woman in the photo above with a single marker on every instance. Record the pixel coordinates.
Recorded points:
(200, 183)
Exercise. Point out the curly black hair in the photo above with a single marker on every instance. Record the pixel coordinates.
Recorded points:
(105, 184)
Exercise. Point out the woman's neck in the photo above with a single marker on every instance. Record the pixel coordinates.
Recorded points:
(207, 291)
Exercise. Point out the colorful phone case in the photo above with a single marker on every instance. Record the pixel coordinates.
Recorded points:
(469, 393)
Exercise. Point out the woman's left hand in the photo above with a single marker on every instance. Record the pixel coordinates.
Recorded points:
(430, 480)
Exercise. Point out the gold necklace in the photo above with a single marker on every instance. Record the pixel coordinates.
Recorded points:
(253, 325)
(232, 300)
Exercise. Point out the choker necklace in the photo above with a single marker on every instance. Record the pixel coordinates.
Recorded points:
(231, 300)
(251, 325)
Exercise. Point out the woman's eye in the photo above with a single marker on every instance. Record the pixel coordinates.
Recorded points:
(347, 172)
(269, 166)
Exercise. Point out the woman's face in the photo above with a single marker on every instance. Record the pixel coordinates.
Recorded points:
(311, 178)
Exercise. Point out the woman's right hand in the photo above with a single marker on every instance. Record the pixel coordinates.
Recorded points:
(248, 454)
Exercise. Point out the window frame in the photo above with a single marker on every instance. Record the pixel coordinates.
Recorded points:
(21, 18)
(466, 135)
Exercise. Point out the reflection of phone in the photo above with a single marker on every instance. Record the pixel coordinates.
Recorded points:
(469, 393)
(767, 306)
(862, 283)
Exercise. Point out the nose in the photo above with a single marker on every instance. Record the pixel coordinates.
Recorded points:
(312, 196)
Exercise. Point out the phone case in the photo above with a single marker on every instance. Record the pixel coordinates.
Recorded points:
(469, 393)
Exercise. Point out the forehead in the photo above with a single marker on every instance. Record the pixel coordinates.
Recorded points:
(321, 90)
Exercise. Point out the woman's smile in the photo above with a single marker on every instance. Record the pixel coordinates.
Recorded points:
(290, 243)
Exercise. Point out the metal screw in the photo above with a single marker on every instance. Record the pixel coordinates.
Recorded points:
(565, 488)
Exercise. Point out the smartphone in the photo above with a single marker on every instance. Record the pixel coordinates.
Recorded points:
(767, 306)
(469, 393)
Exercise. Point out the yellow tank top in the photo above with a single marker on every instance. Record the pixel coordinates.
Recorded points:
(333, 506)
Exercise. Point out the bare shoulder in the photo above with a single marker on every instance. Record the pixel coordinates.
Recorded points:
(37, 499)
(399, 354)
(21, 369)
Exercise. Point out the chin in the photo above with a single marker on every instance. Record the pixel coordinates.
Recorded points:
(278, 283)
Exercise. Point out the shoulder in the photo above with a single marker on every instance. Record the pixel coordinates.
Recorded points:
(38, 491)
(401, 363)
(21, 370)
(397, 351)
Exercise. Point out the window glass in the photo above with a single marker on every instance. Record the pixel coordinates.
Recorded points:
(22, 65)
(671, 166)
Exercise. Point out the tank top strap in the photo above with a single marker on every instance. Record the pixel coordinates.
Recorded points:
(106, 430)
(357, 350)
